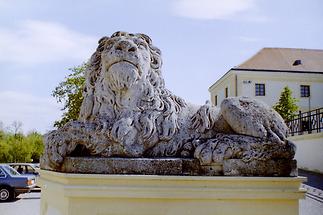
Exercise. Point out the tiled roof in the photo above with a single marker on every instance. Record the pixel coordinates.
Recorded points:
(283, 59)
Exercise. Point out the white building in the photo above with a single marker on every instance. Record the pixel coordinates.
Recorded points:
(265, 75)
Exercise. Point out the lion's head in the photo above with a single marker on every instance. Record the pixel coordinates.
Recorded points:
(125, 74)
(127, 59)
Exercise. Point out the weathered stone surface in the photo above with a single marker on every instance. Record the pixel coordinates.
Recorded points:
(282, 167)
(128, 112)
(142, 166)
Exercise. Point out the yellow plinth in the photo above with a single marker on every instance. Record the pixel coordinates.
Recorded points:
(94, 194)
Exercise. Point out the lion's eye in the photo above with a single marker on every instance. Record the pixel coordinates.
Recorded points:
(109, 45)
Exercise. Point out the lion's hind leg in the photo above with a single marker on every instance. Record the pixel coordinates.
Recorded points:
(252, 117)
(246, 155)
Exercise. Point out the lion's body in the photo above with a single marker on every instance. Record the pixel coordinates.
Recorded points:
(128, 112)
(144, 112)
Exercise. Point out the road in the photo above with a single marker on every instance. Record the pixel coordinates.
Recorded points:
(310, 206)
(313, 179)
(25, 204)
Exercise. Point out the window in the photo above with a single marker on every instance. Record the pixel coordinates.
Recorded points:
(305, 91)
(297, 62)
(11, 171)
(260, 89)
(216, 100)
(226, 92)
(2, 174)
(29, 170)
(19, 168)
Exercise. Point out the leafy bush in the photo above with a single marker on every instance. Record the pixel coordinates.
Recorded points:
(17, 147)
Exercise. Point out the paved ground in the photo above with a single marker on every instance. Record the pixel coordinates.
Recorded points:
(308, 206)
(25, 204)
(313, 179)
(313, 202)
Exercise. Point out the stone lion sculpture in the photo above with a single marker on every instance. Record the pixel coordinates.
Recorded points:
(128, 112)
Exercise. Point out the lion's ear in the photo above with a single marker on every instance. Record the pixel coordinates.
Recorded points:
(146, 38)
(156, 60)
(103, 40)
(101, 43)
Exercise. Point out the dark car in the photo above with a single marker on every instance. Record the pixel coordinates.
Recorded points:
(26, 169)
(13, 183)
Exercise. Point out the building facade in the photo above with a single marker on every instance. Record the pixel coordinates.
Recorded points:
(265, 75)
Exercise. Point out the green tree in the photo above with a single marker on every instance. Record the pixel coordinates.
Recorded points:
(286, 106)
(17, 147)
(36, 141)
(4, 146)
(69, 92)
(20, 149)
(5, 156)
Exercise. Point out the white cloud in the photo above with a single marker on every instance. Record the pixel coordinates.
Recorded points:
(35, 113)
(211, 9)
(42, 42)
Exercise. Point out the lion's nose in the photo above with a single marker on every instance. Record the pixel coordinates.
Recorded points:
(126, 46)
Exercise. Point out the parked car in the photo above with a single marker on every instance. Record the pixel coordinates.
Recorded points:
(28, 169)
(12, 183)
(36, 166)
(25, 168)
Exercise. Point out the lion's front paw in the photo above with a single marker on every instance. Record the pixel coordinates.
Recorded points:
(251, 117)
(121, 129)
(204, 153)
(213, 151)
(125, 133)
(56, 149)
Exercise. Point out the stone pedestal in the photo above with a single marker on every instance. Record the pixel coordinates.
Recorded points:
(98, 194)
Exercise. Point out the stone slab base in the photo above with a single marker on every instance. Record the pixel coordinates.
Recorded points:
(139, 166)
(236, 167)
(176, 166)
(99, 194)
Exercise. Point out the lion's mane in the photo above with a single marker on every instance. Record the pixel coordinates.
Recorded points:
(157, 116)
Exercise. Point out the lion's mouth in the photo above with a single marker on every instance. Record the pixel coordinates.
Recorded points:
(123, 61)
(126, 62)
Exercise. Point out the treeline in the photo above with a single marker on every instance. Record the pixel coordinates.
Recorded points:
(17, 147)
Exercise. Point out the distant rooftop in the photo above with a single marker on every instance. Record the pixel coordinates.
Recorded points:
(285, 59)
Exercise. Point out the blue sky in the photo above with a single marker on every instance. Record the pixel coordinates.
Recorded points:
(200, 40)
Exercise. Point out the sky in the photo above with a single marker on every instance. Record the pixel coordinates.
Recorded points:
(200, 40)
